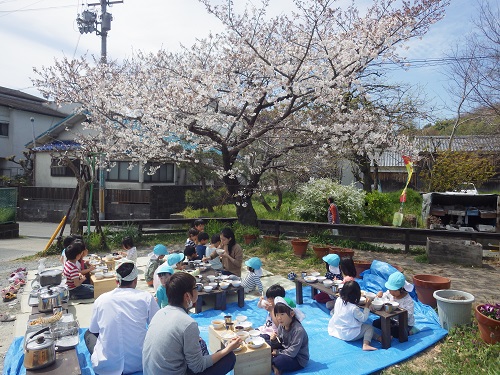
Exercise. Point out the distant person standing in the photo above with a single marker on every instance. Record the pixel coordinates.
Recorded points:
(333, 214)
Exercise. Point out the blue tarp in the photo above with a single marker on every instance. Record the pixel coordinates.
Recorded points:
(328, 355)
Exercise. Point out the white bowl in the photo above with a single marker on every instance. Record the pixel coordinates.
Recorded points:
(321, 278)
(224, 285)
(327, 282)
(236, 283)
(224, 277)
(243, 335)
(109, 275)
(255, 342)
(377, 304)
(207, 288)
(218, 324)
(247, 326)
(213, 285)
(99, 275)
(338, 282)
(370, 295)
(315, 274)
(211, 278)
(310, 279)
(362, 300)
(220, 251)
(240, 318)
(254, 333)
(395, 304)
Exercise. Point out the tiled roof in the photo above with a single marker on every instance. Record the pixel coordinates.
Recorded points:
(460, 143)
(25, 102)
(58, 146)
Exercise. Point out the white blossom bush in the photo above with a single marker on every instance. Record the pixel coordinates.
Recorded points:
(312, 204)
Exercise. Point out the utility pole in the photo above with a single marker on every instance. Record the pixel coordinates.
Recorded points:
(88, 23)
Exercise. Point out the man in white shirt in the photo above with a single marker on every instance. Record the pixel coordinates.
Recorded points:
(119, 323)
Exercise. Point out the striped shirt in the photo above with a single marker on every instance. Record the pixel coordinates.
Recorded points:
(71, 272)
(251, 282)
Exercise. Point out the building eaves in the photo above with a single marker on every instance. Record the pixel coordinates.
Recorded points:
(24, 102)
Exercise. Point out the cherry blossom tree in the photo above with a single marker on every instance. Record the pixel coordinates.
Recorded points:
(262, 89)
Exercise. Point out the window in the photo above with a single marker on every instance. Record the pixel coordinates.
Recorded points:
(58, 168)
(165, 173)
(4, 129)
(121, 172)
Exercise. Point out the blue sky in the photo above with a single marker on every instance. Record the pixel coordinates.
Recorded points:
(34, 32)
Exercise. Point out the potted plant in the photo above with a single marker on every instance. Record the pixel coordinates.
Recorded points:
(488, 321)
(247, 232)
(270, 238)
(299, 246)
(342, 252)
(426, 285)
(320, 250)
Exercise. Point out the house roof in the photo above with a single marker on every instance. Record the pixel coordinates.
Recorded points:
(489, 143)
(58, 146)
(52, 133)
(15, 99)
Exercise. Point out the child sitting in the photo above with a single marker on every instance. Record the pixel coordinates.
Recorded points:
(190, 253)
(290, 346)
(252, 279)
(270, 327)
(85, 267)
(74, 279)
(332, 262)
(347, 269)
(202, 244)
(199, 225)
(130, 251)
(214, 245)
(192, 237)
(66, 242)
(396, 292)
(156, 258)
(175, 261)
(347, 322)
(164, 273)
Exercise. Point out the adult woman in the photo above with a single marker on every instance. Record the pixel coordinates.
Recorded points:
(176, 349)
(232, 257)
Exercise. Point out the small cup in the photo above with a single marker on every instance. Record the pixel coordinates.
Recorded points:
(230, 326)
(304, 274)
(227, 319)
(238, 328)
(199, 286)
(56, 310)
(335, 288)
(388, 307)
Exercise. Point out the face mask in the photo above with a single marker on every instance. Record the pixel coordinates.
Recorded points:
(190, 303)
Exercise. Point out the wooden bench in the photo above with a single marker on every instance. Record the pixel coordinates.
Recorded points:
(385, 318)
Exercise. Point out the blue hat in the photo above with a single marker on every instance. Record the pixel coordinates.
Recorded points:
(165, 268)
(395, 281)
(160, 249)
(175, 258)
(254, 262)
(332, 259)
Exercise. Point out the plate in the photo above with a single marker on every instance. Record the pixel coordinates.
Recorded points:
(315, 274)
(255, 342)
(310, 279)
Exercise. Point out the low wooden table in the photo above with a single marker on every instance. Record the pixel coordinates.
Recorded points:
(220, 297)
(385, 318)
(248, 361)
(103, 285)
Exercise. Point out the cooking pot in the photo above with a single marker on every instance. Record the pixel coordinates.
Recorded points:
(50, 277)
(48, 300)
(62, 290)
(39, 350)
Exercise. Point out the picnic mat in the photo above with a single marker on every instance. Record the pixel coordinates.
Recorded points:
(328, 355)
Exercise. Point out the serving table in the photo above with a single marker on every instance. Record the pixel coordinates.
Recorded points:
(385, 317)
(248, 361)
(103, 285)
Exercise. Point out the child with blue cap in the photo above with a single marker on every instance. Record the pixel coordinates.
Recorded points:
(332, 267)
(175, 261)
(164, 273)
(396, 292)
(252, 281)
(156, 258)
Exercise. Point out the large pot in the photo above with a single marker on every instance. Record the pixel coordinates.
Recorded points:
(299, 246)
(342, 252)
(454, 307)
(426, 285)
(39, 350)
(62, 290)
(489, 328)
(50, 277)
(47, 301)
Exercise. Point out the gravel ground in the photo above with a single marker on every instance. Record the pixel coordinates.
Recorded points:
(483, 282)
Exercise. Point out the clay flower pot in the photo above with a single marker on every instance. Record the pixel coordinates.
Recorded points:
(299, 246)
(271, 238)
(342, 252)
(426, 285)
(249, 238)
(489, 328)
(361, 266)
(321, 250)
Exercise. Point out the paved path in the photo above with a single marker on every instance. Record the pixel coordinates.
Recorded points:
(33, 237)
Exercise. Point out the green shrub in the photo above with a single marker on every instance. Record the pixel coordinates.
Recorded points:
(379, 208)
(207, 199)
(215, 227)
(312, 204)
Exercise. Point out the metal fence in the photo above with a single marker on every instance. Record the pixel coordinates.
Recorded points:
(8, 205)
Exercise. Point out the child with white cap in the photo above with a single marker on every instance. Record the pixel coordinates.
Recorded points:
(397, 291)
(252, 281)
(156, 258)
(290, 346)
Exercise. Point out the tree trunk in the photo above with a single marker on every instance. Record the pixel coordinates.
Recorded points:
(246, 213)
(279, 193)
(262, 200)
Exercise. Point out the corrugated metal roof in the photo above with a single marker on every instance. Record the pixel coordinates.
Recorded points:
(25, 102)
